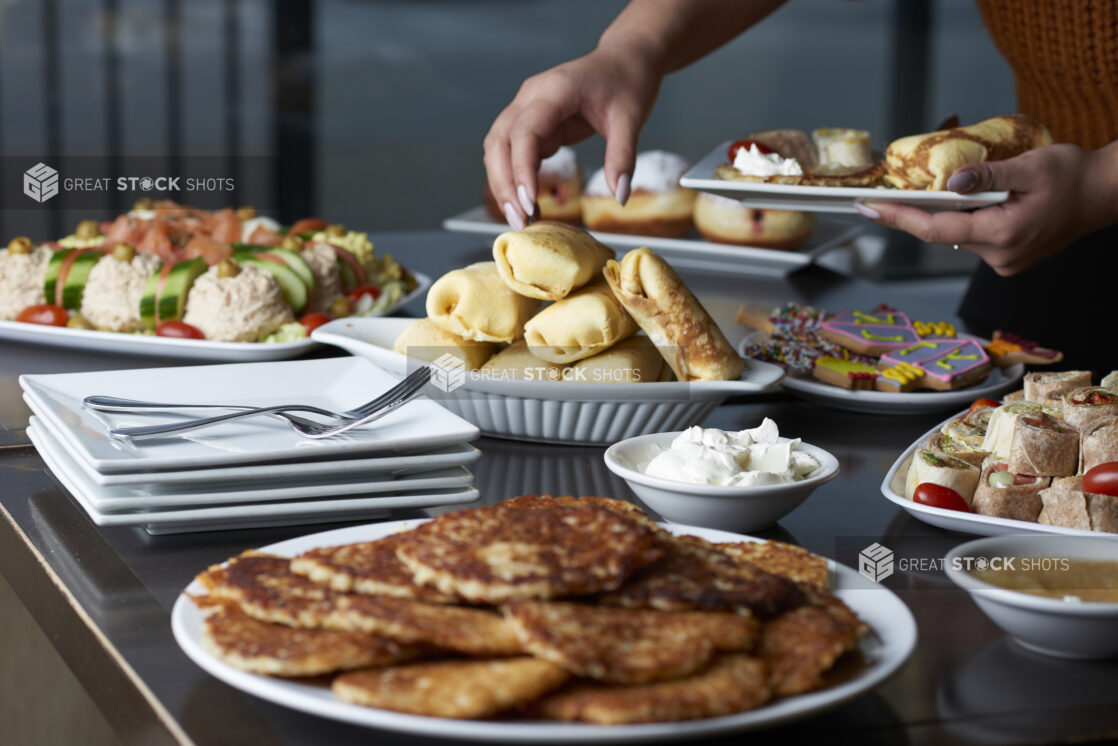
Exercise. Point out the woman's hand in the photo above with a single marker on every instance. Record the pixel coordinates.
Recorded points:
(1058, 194)
(610, 91)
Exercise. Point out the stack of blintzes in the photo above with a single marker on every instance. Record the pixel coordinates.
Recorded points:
(555, 305)
(1031, 458)
(538, 607)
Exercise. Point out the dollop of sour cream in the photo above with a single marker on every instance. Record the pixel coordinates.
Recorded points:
(753, 162)
(748, 457)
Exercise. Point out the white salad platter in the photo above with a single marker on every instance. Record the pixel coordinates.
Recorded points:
(169, 347)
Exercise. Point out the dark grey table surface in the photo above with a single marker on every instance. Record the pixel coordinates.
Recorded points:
(104, 595)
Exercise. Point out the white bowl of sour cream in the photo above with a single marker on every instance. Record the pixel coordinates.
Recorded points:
(742, 481)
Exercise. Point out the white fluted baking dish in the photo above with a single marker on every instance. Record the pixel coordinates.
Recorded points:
(573, 412)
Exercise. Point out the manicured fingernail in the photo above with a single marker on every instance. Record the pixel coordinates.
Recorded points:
(513, 217)
(962, 182)
(526, 200)
(866, 211)
(622, 191)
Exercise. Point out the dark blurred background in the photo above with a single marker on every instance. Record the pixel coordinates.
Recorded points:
(371, 112)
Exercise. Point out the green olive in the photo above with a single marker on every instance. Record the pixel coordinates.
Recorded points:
(228, 268)
(77, 321)
(247, 212)
(335, 231)
(340, 306)
(143, 204)
(293, 243)
(123, 252)
(87, 229)
(19, 245)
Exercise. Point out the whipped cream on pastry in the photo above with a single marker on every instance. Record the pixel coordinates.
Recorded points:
(753, 162)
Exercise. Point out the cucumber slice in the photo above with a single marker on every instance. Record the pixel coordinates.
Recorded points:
(297, 263)
(293, 289)
(50, 279)
(148, 300)
(73, 285)
(172, 298)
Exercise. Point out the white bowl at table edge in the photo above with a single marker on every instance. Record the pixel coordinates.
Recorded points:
(1081, 629)
(743, 507)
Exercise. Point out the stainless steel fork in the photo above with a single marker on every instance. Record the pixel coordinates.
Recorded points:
(351, 418)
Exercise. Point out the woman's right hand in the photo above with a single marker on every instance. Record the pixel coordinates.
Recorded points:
(610, 91)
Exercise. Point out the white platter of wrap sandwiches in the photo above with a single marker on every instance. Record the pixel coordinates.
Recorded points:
(547, 404)
(893, 487)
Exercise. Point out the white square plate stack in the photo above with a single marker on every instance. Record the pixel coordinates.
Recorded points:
(252, 472)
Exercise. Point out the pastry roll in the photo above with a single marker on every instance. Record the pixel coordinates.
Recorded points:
(475, 304)
(634, 360)
(517, 361)
(426, 340)
(1043, 446)
(583, 324)
(1089, 404)
(945, 444)
(938, 468)
(548, 260)
(689, 340)
(1040, 386)
(1098, 444)
(1003, 494)
(927, 161)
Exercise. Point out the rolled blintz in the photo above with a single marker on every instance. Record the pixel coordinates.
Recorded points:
(941, 443)
(587, 322)
(1043, 446)
(549, 260)
(689, 339)
(425, 340)
(517, 362)
(634, 360)
(1089, 404)
(1003, 494)
(1098, 444)
(1042, 385)
(475, 304)
(938, 468)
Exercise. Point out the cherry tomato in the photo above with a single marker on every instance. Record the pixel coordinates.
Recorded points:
(1102, 479)
(938, 496)
(312, 321)
(46, 314)
(178, 329)
(983, 404)
(733, 151)
(355, 294)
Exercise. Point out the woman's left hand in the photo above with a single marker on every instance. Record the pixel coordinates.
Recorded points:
(1058, 194)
